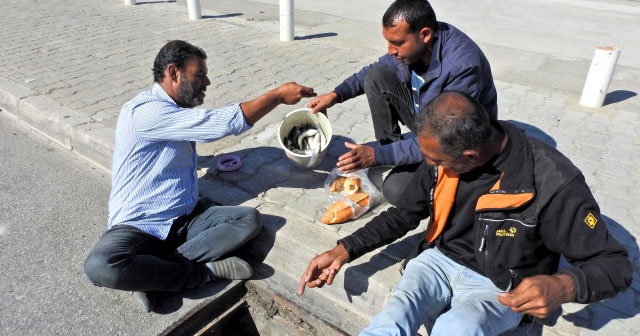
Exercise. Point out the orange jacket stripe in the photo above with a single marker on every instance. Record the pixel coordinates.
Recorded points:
(444, 196)
(502, 201)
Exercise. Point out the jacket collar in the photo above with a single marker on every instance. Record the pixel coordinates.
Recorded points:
(435, 63)
(515, 188)
(518, 172)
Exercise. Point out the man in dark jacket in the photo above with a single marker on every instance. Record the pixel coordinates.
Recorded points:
(503, 208)
(425, 57)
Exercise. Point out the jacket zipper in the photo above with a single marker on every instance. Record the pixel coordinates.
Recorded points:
(514, 275)
(483, 243)
(483, 240)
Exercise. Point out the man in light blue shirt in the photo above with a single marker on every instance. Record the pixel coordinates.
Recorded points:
(160, 236)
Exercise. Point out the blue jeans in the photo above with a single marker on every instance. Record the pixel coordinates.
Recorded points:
(127, 258)
(448, 298)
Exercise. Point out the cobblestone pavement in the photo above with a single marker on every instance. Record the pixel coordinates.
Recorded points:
(66, 69)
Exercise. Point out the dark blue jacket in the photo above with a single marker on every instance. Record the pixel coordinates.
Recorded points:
(457, 64)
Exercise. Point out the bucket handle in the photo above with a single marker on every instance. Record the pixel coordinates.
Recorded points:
(314, 155)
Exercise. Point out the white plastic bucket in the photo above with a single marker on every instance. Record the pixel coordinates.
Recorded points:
(301, 117)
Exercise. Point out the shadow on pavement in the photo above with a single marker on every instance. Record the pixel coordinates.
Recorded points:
(535, 132)
(256, 250)
(154, 2)
(264, 168)
(618, 96)
(170, 302)
(356, 278)
(315, 36)
(222, 16)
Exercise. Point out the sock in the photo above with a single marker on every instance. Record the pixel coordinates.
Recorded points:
(232, 268)
(146, 300)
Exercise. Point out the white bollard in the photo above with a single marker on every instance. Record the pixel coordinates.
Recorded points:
(129, 2)
(194, 9)
(599, 76)
(286, 20)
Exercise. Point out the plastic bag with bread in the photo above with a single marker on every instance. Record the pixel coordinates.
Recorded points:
(351, 195)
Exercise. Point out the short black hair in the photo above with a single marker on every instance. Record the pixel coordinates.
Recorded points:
(417, 13)
(457, 120)
(175, 52)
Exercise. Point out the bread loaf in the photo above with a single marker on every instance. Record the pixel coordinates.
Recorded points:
(345, 185)
(341, 211)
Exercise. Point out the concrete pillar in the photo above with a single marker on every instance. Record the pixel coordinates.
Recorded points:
(129, 2)
(286, 20)
(194, 9)
(599, 76)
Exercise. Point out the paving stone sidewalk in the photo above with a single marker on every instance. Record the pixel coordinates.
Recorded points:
(66, 69)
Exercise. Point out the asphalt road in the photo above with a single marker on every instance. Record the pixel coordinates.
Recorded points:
(53, 207)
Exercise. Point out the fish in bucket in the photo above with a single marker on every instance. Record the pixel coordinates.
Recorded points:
(305, 136)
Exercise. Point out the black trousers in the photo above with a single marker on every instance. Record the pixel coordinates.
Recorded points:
(391, 102)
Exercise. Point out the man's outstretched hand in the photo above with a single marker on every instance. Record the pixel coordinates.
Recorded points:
(291, 93)
(288, 93)
(323, 102)
(323, 268)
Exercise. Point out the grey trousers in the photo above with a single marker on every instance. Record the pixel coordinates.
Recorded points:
(127, 258)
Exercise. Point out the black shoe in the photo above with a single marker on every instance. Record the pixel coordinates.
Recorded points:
(232, 268)
(147, 300)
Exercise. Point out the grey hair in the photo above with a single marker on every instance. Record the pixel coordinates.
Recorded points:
(457, 121)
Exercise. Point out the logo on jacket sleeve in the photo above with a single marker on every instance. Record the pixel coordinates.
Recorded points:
(591, 220)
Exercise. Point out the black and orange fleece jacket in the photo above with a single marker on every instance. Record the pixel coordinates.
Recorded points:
(538, 209)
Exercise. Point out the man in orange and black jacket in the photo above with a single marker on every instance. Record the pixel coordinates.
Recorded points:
(503, 208)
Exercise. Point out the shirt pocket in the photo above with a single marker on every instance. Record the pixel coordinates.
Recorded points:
(506, 243)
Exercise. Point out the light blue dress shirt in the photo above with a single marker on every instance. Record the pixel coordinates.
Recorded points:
(154, 178)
